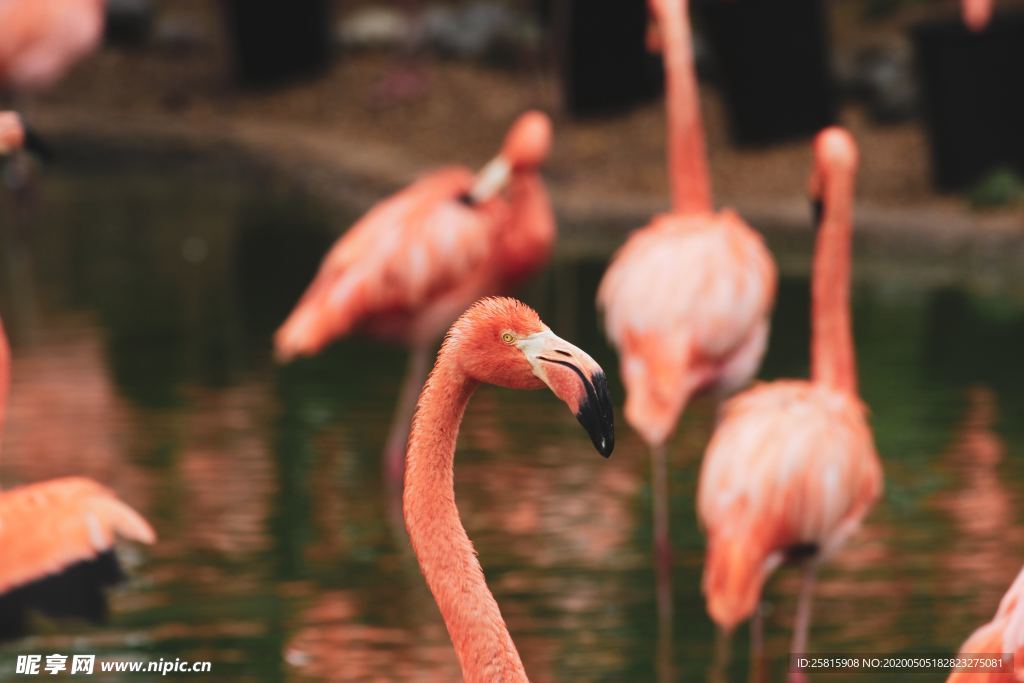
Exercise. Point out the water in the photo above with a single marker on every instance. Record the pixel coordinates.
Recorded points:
(141, 307)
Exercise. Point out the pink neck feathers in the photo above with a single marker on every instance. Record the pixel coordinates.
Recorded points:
(687, 158)
(445, 553)
(833, 362)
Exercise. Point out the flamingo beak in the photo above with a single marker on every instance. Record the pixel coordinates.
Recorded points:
(578, 380)
(491, 180)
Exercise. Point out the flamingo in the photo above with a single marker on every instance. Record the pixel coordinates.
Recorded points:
(976, 14)
(1004, 635)
(57, 539)
(412, 264)
(791, 470)
(41, 39)
(498, 341)
(687, 299)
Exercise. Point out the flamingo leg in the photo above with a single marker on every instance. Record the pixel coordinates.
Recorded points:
(398, 434)
(757, 662)
(803, 616)
(720, 662)
(662, 560)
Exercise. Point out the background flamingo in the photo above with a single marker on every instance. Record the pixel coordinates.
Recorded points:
(57, 539)
(1003, 635)
(687, 299)
(792, 469)
(497, 341)
(41, 39)
(419, 258)
(976, 13)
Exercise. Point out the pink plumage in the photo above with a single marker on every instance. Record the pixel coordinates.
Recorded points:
(41, 39)
(1004, 635)
(418, 259)
(792, 469)
(47, 527)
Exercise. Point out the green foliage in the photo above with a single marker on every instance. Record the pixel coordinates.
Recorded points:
(1001, 187)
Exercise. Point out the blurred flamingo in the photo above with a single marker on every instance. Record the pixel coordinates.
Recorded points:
(57, 538)
(687, 299)
(976, 13)
(498, 341)
(416, 261)
(791, 469)
(41, 39)
(1004, 635)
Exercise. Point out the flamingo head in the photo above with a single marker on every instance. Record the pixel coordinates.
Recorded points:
(525, 148)
(15, 135)
(835, 154)
(503, 341)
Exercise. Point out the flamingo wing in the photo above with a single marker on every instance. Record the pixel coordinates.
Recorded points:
(791, 468)
(405, 252)
(47, 527)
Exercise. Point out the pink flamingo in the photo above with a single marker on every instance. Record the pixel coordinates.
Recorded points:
(41, 39)
(58, 532)
(976, 13)
(1003, 635)
(498, 341)
(791, 469)
(687, 299)
(416, 261)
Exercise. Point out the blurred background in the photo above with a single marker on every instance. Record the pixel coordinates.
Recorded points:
(207, 156)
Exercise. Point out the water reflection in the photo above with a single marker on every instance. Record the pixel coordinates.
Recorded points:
(143, 362)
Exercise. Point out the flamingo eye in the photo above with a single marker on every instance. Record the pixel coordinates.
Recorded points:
(508, 337)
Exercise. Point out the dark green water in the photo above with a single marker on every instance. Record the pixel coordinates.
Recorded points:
(141, 306)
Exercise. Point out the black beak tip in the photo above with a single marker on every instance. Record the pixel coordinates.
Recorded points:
(596, 416)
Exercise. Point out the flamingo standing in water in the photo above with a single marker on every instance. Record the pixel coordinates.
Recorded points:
(412, 264)
(498, 341)
(1004, 635)
(687, 299)
(56, 541)
(41, 39)
(791, 469)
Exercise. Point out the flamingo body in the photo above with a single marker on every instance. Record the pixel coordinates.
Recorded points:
(41, 39)
(50, 528)
(422, 256)
(1003, 635)
(55, 524)
(791, 468)
(687, 301)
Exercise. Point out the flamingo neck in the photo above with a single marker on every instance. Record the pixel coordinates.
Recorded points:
(687, 157)
(445, 553)
(833, 363)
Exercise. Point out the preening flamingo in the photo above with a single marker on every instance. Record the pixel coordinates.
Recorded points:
(791, 469)
(687, 299)
(15, 136)
(412, 264)
(41, 39)
(1003, 635)
(57, 539)
(498, 341)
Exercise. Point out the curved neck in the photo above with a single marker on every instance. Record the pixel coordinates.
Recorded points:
(687, 159)
(445, 553)
(832, 354)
